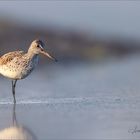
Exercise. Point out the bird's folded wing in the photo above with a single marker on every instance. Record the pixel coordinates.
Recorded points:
(6, 58)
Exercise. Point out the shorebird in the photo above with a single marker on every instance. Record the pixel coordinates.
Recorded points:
(18, 65)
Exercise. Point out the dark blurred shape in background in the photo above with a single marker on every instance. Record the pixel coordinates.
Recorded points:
(67, 43)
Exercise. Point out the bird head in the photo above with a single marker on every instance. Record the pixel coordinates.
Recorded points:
(37, 47)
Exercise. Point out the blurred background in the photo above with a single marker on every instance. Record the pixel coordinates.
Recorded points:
(73, 31)
(97, 44)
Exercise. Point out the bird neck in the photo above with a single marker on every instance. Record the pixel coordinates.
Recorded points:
(31, 55)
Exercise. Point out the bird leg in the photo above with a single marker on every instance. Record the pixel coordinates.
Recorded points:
(13, 89)
(14, 115)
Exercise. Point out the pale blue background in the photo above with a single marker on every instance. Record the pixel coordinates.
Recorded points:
(104, 17)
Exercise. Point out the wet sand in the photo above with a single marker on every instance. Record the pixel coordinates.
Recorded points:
(75, 120)
(75, 102)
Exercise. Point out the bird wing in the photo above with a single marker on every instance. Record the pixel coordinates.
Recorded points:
(8, 57)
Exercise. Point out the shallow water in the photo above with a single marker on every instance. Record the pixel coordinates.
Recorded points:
(85, 101)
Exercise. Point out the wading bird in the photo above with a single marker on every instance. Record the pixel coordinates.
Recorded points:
(18, 65)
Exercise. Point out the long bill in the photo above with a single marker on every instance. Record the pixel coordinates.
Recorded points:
(49, 56)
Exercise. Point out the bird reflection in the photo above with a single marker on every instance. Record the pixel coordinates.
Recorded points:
(16, 131)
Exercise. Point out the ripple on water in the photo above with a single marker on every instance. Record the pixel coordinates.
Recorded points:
(104, 102)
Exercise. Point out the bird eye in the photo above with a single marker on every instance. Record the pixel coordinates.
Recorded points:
(38, 45)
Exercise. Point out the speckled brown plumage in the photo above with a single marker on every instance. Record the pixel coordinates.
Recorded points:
(7, 58)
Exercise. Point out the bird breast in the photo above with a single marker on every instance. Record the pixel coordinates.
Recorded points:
(19, 68)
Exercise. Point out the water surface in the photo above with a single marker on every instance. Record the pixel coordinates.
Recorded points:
(81, 101)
